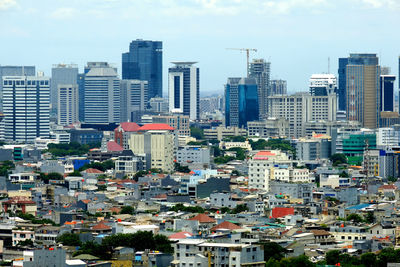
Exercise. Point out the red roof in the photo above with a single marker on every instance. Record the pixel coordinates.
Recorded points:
(388, 187)
(86, 201)
(113, 146)
(19, 200)
(101, 226)
(202, 218)
(226, 225)
(156, 126)
(278, 212)
(92, 170)
(129, 126)
(180, 235)
(265, 153)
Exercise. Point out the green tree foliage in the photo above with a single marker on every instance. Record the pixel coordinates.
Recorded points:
(71, 149)
(25, 243)
(34, 220)
(5, 167)
(338, 159)
(279, 144)
(217, 151)
(354, 218)
(344, 174)
(240, 152)
(273, 251)
(69, 239)
(392, 179)
(369, 217)
(198, 143)
(240, 208)
(102, 166)
(179, 168)
(223, 159)
(75, 173)
(192, 209)
(197, 133)
(51, 176)
(369, 259)
(127, 210)
(332, 257)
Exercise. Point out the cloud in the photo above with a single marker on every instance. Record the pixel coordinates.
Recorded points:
(286, 6)
(381, 3)
(63, 13)
(7, 4)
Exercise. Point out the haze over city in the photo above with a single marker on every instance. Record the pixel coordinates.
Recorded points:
(296, 36)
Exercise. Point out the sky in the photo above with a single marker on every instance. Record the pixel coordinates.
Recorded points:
(296, 36)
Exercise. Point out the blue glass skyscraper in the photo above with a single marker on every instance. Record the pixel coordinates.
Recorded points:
(342, 83)
(241, 96)
(144, 62)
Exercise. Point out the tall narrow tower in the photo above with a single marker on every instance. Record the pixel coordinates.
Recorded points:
(260, 70)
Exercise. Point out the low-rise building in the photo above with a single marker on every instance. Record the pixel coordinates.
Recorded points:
(220, 132)
(193, 155)
(271, 127)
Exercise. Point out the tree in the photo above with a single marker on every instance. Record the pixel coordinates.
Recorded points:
(338, 159)
(240, 208)
(69, 239)
(300, 261)
(344, 174)
(392, 179)
(236, 173)
(273, 250)
(332, 257)
(179, 168)
(369, 217)
(5, 167)
(75, 173)
(25, 243)
(127, 210)
(369, 259)
(388, 255)
(197, 133)
(217, 151)
(354, 217)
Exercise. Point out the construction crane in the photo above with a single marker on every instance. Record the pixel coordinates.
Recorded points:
(247, 54)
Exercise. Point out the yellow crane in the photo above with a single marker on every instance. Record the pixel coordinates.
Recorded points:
(247, 54)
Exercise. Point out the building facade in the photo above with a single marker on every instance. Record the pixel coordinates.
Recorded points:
(102, 94)
(26, 107)
(134, 97)
(271, 127)
(184, 89)
(323, 84)
(278, 87)
(387, 92)
(144, 62)
(61, 74)
(260, 70)
(67, 103)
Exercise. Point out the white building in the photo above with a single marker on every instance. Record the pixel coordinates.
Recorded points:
(184, 89)
(323, 84)
(134, 97)
(26, 107)
(387, 137)
(68, 104)
(301, 108)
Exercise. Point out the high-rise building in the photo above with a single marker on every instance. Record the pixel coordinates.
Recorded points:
(134, 97)
(158, 104)
(81, 93)
(184, 89)
(102, 93)
(387, 92)
(323, 84)
(68, 104)
(362, 89)
(342, 83)
(241, 102)
(260, 70)
(278, 87)
(301, 108)
(14, 71)
(61, 74)
(26, 108)
(144, 62)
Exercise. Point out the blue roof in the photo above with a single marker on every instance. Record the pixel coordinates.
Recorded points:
(359, 206)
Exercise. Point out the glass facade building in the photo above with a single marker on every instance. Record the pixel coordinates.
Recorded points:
(387, 92)
(144, 62)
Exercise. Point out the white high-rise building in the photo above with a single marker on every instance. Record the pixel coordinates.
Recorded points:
(102, 94)
(323, 84)
(184, 89)
(26, 107)
(68, 104)
(301, 108)
(134, 97)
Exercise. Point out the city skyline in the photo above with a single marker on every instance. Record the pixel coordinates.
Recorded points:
(302, 31)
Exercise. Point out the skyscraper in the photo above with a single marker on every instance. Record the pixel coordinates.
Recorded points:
(323, 84)
(241, 101)
(134, 97)
(26, 108)
(362, 89)
(14, 71)
(68, 107)
(184, 89)
(61, 74)
(342, 83)
(260, 70)
(144, 62)
(387, 92)
(278, 87)
(102, 93)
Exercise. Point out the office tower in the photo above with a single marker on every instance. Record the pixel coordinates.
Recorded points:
(323, 84)
(134, 97)
(67, 103)
(278, 87)
(241, 101)
(301, 108)
(158, 104)
(14, 71)
(81, 96)
(211, 104)
(184, 89)
(342, 83)
(387, 92)
(362, 89)
(102, 93)
(260, 70)
(144, 62)
(61, 74)
(26, 108)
